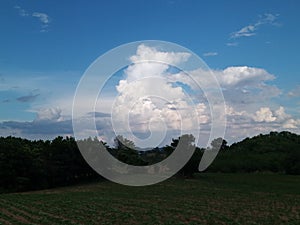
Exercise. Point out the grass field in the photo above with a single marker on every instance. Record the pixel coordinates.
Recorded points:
(208, 199)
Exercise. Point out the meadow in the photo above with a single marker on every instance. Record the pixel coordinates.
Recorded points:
(210, 198)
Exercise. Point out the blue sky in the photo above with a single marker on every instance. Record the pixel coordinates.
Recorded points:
(46, 46)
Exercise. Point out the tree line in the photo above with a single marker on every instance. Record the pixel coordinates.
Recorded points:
(39, 164)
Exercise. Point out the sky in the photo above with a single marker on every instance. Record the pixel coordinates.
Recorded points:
(252, 47)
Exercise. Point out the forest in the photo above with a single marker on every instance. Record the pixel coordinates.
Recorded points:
(40, 164)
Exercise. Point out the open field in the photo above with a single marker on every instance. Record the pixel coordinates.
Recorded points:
(208, 199)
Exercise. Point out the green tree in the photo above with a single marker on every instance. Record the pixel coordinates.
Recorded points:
(126, 151)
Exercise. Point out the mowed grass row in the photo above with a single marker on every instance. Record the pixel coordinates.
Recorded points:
(208, 199)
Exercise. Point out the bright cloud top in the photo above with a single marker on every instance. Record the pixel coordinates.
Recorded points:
(153, 102)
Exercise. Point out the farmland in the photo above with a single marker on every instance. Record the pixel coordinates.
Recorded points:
(210, 198)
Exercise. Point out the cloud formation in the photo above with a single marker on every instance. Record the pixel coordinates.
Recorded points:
(250, 30)
(49, 114)
(27, 98)
(42, 17)
(210, 54)
(295, 92)
(153, 102)
(232, 44)
(249, 95)
(22, 12)
(264, 114)
(155, 98)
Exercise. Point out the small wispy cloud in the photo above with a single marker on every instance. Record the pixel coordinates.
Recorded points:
(206, 54)
(246, 31)
(2, 79)
(232, 44)
(99, 114)
(27, 98)
(295, 92)
(42, 17)
(250, 30)
(5, 101)
(22, 12)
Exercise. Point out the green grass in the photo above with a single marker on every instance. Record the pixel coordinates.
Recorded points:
(208, 199)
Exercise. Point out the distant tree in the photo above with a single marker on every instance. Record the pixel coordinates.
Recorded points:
(123, 143)
(292, 163)
(187, 143)
(219, 144)
(275, 152)
(126, 152)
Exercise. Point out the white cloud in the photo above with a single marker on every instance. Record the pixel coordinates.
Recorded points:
(294, 92)
(49, 114)
(291, 124)
(232, 44)
(232, 79)
(249, 98)
(22, 12)
(243, 76)
(279, 118)
(250, 30)
(241, 124)
(245, 90)
(264, 115)
(281, 115)
(246, 31)
(43, 17)
(268, 18)
(230, 111)
(146, 53)
(210, 54)
(150, 100)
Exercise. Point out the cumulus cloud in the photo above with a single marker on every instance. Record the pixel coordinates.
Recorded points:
(242, 124)
(278, 118)
(146, 53)
(230, 111)
(241, 84)
(246, 90)
(291, 124)
(281, 115)
(243, 76)
(264, 115)
(250, 30)
(50, 122)
(49, 114)
(153, 101)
